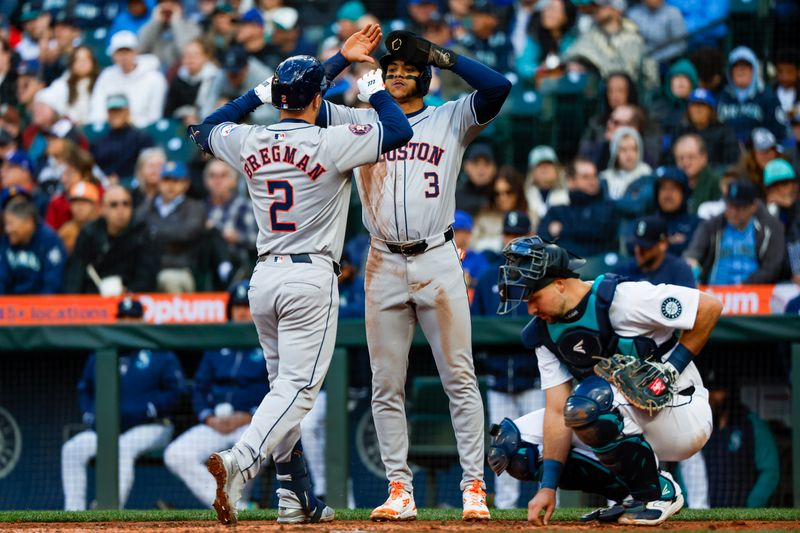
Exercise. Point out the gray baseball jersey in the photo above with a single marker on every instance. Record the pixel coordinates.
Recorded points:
(298, 178)
(409, 193)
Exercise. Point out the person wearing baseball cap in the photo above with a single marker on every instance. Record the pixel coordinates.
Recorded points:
(743, 245)
(250, 31)
(117, 151)
(780, 181)
(722, 146)
(137, 76)
(240, 72)
(544, 183)
(130, 310)
(84, 204)
(652, 261)
(474, 188)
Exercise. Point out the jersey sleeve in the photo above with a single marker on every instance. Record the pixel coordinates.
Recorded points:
(339, 115)
(463, 118)
(353, 145)
(649, 307)
(553, 372)
(226, 140)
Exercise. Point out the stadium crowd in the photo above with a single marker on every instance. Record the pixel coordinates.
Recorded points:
(683, 170)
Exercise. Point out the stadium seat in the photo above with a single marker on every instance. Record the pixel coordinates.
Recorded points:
(94, 131)
(163, 130)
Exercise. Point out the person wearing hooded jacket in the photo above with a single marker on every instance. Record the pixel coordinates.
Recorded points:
(745, 103)
(626, 163)
(193, 81)
(672, 192)
(138, 77)
(670, 107)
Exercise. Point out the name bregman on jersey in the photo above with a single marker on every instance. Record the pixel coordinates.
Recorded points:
(273, 154)
(416, 151)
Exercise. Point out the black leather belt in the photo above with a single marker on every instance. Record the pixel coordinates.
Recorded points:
(416, 247)
(299, 258)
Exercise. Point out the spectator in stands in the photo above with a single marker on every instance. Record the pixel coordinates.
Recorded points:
(151, 383)
(617, 90)
(691, 157)
(512, 375)
(8, 85)
(720, 140)
(613, 44)
(420, 12)
(347, 17)
(475, 185)
(780, 181)
(487, 41)
(35, 24)
(250, 36)
(519, 23)
(167, 32)
(62, 139)
(743, 245)
(32, 256)
(660, 23)
(114, 245)
(136, 76)
(552, 33)
(228, 387)
(544, 185)
(131, 18)
(73, 90)
(55, 57)
(351, 286)
(575, 225)
(672, 195)
(117, 150)
(761, 148)
(77, 167)
(626, 163)
(745, 104)
(457, 18)
(711, 208)
(10, 121)
(239, 73)
(177, 222)
(652, 261)
(148, 174)
(787, 79)
(29, 83)
(508, 194)
(190, 87)
(46, 112)
(229, 212)
(84, 203)
(287, 38)
(451, 86)
(16, 172)
(472, 262)
(221, 32)
(669, 108)
(631, 116)
(741, 456)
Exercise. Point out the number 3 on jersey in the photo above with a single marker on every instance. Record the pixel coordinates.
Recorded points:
(278, 207)
(433, 185)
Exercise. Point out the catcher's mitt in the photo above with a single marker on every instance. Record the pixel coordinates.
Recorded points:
(646, 385)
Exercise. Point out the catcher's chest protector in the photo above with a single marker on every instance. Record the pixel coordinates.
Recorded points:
(578, 343)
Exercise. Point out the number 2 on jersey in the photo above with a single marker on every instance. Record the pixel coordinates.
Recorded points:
(281, 206)
(433, 185)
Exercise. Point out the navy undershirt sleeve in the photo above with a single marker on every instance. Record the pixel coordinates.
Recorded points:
(396, 129)
(491, 86)
(234, 111)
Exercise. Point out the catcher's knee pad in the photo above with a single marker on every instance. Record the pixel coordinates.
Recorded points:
(590, 412)
(300, 483)
(509, 453)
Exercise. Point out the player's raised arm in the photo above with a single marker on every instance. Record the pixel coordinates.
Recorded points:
(491, 86)
(396, 129)
(356, 49)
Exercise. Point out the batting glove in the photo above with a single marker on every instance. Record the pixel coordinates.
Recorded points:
(369, 84)
(264, 91)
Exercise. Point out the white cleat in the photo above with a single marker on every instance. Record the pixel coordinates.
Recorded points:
(474, 500)
(399, 506)
(290, 511)
(230, 482)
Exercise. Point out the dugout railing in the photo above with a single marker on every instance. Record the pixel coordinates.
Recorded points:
(487, 332)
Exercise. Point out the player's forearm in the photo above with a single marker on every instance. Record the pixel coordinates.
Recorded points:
(334, 66)
(235, 110)
(493, 88)
(557, 436)
(396, 129)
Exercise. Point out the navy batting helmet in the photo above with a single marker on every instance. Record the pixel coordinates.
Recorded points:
(531, 264)
(423, 80)
(296, 81)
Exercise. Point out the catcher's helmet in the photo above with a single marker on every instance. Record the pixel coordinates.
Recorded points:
(531, 264)
(296, 81)
(423, 80)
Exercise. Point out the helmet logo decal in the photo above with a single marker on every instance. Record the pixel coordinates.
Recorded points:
(396, 44)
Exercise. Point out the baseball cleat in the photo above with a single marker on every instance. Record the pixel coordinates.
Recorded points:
(657, 511)
(474, 499)
(604, 514)
(398, 507)
(290, 511)
(230, 483)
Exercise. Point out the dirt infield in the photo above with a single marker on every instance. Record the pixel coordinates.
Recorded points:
(344, 526)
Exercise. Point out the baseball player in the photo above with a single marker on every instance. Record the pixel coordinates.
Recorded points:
(643, 401)
(298, 176)
(413, 273)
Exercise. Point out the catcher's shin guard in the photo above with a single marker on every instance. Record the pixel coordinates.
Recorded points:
(589, 475)
(591, 415)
